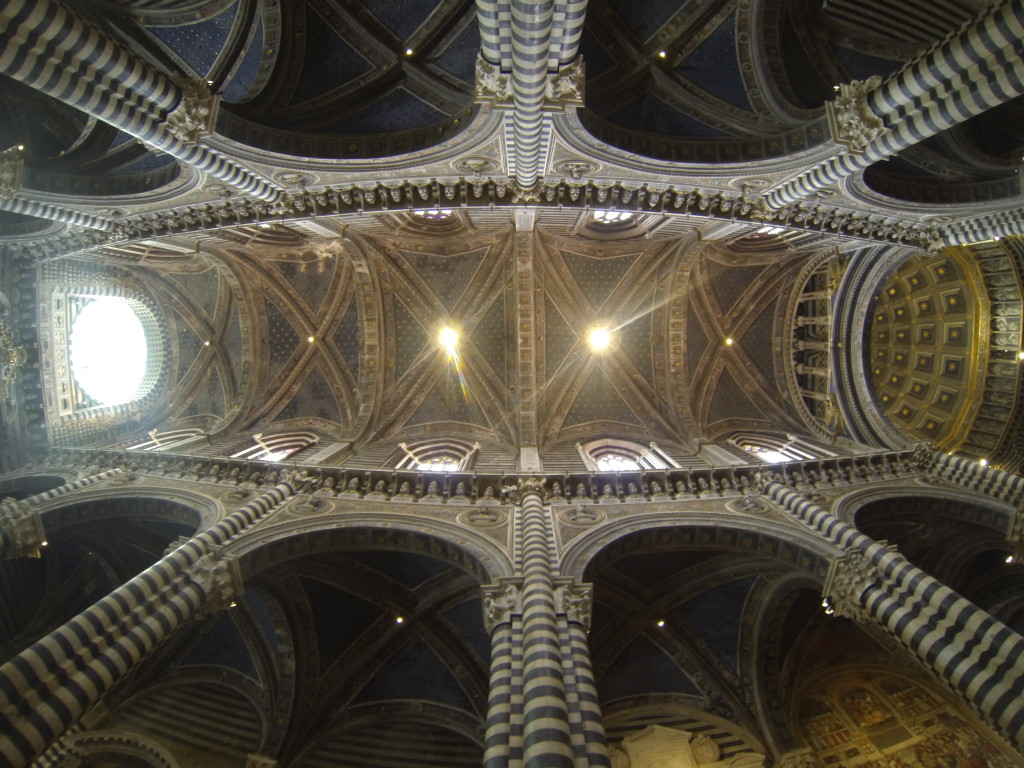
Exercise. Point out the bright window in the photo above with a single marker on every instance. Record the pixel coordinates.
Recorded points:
(108, 351)
(612, 217)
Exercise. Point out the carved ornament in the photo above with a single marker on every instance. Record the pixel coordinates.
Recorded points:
(24, 534)
(853, 123)
(196, 113)
(565, 87)
(801, 758)
(575, 601)
(492, 85)
(848, 577)
(12, 163)
(220, 580)
(501, 602)
(658, 746)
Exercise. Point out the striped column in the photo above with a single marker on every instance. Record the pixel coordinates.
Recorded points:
(978, 657)
(47, 687)
(590, 745)
(546, 731)
(14, 515)
(55, 213)
(503, 741)
(974, 69)
(970, 474)
(45, 47)
(531, 36)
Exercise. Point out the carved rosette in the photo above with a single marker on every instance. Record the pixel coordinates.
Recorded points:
(196, 113)
(501, 602)
(575, 601)
(220, 580)
(851, 119)
(12, 163)
(492, 85)
(848, 577)
(24, 534)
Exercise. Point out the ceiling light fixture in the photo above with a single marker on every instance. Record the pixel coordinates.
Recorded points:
(661, 622)
(983, 462)
(600, 338)
(311, 339)
(728, 342)
(448, 338)
(662, 54)
(408, 51)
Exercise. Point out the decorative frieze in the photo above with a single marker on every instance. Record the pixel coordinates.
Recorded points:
(24, 534)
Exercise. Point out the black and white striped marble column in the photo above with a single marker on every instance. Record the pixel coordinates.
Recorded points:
(45, 46)
(974, 69)
(50, 685)
(977, 656)
(21, 530)
(546, 731)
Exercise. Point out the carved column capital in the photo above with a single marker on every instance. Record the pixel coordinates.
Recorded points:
(12, 163)
(24, 534)
(850, 117)
(848, 577)
(523, 486)
(219, 578)
(502, 601)
(492, 85)
(575, 601)
(196, 113)
(564, 88)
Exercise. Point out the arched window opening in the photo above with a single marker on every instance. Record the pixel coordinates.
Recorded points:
(777, 449)
(162, 441)
(436, 456)
(623, 456)
(271, 448)
(114, 348)
(434, 214)
(612, 217)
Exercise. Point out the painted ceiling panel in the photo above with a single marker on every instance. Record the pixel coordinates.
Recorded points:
(342, 618)
(598, 400)
(433, 681)
(412, 340)
(641, 668)
(331, 61)
(446, 276)
(597, 277)
(224, 646)
(313, 281)
(714, 68)
(349, 337)
(730, 401)
(315, 399)
(199, 44)
(716, 615)
(283, 339)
